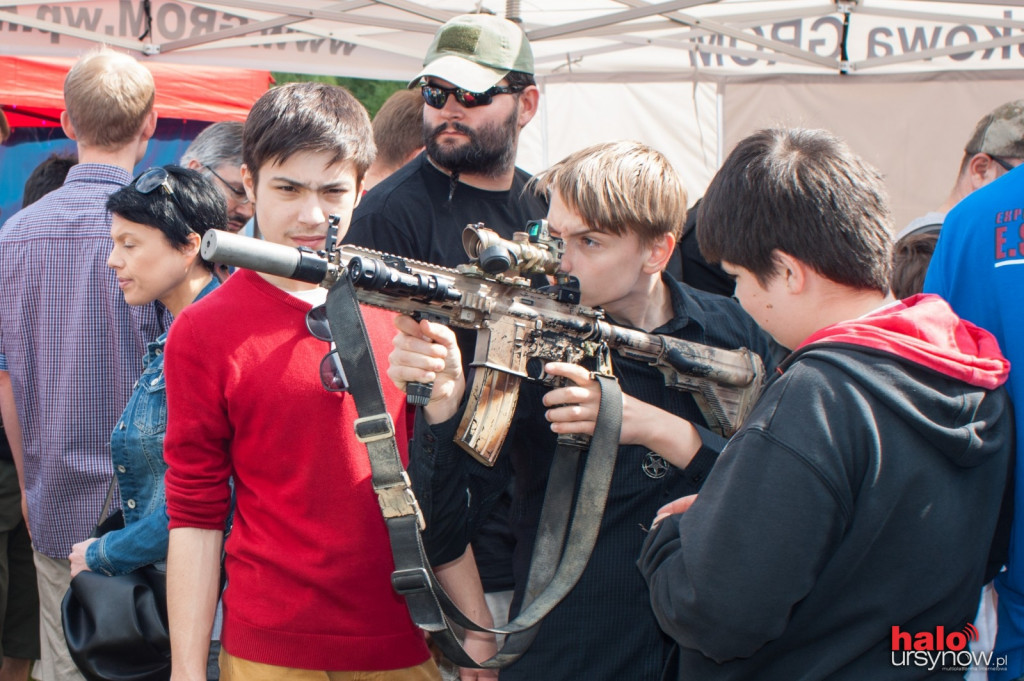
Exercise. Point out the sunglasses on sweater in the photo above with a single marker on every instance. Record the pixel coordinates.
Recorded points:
(332, 373)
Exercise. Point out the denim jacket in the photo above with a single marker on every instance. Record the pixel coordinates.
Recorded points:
(137, 449)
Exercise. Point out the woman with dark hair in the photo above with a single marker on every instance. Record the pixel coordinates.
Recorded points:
(158, 223)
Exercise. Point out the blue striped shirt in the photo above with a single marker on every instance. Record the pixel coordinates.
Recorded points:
(73, 348)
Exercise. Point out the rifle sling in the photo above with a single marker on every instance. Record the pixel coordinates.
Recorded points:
(558, 559)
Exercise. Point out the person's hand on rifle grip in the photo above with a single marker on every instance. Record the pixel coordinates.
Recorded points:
(573, 409)
(426, 352)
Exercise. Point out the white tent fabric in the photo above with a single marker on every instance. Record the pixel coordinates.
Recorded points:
(903, 80)
(386, 38)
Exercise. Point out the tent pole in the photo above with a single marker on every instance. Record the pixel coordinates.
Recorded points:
(720, 122)
(512, 11)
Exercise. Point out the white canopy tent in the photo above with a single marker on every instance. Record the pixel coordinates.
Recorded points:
(904, 81)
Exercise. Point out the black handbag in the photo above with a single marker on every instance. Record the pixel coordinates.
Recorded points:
(116, 626)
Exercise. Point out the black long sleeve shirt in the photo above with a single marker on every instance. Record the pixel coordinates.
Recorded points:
(604, 628)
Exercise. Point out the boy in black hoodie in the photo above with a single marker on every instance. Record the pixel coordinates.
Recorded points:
(850, 518)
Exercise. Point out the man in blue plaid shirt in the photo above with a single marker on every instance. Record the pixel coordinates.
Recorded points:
(70, 347)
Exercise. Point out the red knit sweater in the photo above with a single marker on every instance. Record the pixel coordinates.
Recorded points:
(308, 559)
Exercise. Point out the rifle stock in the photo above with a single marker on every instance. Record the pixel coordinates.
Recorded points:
(519, 329)
(724, 383)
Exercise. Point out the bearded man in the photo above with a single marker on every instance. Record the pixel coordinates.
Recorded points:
(478, 86)
(479, 91)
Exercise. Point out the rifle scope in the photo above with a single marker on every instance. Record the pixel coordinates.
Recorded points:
(531, 252)
(373, 274)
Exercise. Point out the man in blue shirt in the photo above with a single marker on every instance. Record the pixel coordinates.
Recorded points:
(977, 267)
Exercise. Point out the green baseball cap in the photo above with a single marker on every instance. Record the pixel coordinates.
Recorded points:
(475, 51)
(1000, 133)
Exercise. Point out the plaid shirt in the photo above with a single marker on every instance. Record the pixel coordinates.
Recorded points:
(73, 348)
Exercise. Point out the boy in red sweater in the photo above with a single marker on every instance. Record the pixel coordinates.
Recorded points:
(308, 561)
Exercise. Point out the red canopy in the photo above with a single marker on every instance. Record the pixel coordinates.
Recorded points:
(32, 90)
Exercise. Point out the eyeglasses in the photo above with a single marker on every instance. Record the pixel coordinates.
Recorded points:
(1002, 163)
(437, 96)
(332, 373)
(157, 177)
(240, 194)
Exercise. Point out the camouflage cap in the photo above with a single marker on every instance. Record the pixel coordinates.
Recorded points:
(475, 51)
(1000, 133)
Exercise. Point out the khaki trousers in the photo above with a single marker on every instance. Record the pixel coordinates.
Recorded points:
(236, 669)
(53, 577)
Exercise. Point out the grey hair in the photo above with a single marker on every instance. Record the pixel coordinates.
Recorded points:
(217, 144)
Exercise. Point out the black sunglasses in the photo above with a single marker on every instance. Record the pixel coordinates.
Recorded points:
(159, 177)
(316, 323)
(240, 194)
(332, 373)
(154, 178)
(437, 96)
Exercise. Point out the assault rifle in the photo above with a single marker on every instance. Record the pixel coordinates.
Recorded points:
(519, 328)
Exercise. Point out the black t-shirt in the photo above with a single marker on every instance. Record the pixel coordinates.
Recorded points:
(416, 213)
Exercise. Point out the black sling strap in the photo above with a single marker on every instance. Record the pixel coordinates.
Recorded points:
(562, 548)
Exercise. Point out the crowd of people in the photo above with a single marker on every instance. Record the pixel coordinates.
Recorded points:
(859, 525)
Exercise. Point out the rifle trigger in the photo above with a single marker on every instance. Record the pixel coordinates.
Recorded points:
(604, 361)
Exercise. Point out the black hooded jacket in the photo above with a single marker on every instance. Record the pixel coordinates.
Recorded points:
(861, 495)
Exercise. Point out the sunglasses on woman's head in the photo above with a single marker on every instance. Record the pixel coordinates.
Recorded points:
(154, 178)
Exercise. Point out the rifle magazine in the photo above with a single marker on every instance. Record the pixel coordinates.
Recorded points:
(488, 414)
